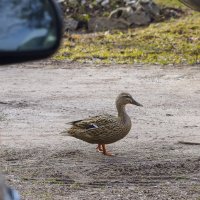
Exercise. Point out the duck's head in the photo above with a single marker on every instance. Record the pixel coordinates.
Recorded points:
(125, 98)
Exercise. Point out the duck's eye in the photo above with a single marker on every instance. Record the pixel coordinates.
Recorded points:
(127, 97)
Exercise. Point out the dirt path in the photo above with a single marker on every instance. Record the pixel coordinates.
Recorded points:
(38, 99)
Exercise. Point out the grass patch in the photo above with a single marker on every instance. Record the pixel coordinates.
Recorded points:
(176, 41)
(170, 3)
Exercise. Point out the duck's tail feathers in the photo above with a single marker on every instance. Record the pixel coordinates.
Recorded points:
(64, 133)
(73, 122)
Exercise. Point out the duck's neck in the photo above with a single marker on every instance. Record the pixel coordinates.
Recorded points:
(123, 116)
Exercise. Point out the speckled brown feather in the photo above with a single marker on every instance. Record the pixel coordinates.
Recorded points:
(109, 129)
(104, 129)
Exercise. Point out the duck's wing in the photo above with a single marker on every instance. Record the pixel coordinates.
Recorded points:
(94, 122)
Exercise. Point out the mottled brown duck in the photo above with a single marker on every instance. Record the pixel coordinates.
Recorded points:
(104, 129)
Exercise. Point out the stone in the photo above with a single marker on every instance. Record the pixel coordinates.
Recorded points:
(70, 24)
(151, 8)
(130, 16)
(105, 3)
(138, 13)
(99, 24)
(73, 2)
(83, 2)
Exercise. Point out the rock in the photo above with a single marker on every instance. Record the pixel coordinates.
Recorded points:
(123, 13)
(140, 18)
(70, 24)
(129, 13)
(73, 2)
(99, 24)
(168, 13)
(132, 17)
(83, 2)
(140, 12)
(105, 3)
(130, 2)
(151, 8)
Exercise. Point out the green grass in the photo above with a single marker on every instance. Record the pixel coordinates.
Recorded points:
(170, 3)
(176, 41)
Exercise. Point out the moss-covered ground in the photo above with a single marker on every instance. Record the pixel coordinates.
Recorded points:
(176, 41)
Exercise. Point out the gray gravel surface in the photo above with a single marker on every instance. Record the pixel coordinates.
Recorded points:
(38, 99)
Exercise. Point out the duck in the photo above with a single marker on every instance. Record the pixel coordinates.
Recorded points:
(104, 129)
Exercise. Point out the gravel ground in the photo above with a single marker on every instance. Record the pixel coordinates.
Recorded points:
(38, 99)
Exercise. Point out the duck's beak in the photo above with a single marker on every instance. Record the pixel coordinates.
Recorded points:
(136, 103)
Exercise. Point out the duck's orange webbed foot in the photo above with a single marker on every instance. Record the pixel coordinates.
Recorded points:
(105, 152)
(99, 148)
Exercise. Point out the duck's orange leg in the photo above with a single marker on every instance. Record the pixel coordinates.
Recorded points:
(99, 148)
(104, 150)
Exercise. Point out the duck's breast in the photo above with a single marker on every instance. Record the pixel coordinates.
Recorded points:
(117, 133)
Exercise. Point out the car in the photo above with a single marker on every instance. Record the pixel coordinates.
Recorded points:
(30, 30)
